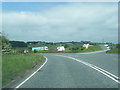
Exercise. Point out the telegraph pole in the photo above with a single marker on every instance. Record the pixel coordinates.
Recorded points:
(103, 41)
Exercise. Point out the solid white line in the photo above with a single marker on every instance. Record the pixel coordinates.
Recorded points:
(94, 52)
(106, 73)
(32, 74)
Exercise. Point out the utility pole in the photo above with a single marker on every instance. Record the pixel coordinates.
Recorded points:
(103, 41)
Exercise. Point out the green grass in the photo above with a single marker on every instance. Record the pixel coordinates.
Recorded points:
(114, 51)
(90, 49)
(16, 65)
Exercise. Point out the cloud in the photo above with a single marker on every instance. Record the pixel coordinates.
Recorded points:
(73, 21)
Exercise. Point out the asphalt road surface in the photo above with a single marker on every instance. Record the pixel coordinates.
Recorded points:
(76, 70)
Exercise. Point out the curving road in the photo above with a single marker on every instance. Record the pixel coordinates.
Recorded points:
(63, 71)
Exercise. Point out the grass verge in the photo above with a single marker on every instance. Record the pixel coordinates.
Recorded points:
(113, 51)
(14, 66)
(92, 48)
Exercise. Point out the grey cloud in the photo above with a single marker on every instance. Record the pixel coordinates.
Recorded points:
(64, 23)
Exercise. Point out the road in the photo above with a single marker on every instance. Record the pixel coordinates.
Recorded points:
(63, 71)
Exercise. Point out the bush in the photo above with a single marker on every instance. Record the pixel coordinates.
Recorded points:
(82, 48)
(66, 46)
(35, 51)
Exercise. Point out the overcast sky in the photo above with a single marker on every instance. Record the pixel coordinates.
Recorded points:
(57, 21)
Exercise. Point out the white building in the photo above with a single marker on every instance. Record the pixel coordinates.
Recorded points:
(86, 45)
(106, 45)
(61, 48)
(46, 48)
(39, 48)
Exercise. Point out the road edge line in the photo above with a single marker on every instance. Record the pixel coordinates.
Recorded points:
(94, 52)
(31, 74)
(95, 68)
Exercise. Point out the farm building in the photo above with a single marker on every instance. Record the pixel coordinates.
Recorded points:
(87, 45)
(39, 48)
(61, 48)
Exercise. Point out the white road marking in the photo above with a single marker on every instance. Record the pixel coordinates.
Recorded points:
(93, 52)
(106, 73)
(32, 74)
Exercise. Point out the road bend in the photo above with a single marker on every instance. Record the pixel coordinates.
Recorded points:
(63, 72)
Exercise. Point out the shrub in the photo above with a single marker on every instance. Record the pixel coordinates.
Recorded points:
(35, 51)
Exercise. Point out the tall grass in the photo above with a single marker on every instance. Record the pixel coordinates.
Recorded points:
(16, 65)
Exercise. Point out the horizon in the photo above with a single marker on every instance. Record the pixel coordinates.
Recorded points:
(62, 41)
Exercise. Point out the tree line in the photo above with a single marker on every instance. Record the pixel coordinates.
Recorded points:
(8, 45)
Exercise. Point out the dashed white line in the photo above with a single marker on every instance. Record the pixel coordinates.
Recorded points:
(32, 74)
(106, 73)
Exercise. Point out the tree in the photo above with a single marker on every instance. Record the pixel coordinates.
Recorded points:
(18, 44)
(5, 43)
(118, 46)
(66, 46)
(82, 48)
(35, 51)
(74, 48)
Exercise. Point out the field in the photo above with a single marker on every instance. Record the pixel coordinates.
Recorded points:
(114, 51)
(16, 65)
(92, 48)
(73, 49)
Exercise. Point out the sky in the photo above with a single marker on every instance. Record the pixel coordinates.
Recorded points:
(60, 21)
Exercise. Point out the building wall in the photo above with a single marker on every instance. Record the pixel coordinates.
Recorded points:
(61, 48)
(39, 48)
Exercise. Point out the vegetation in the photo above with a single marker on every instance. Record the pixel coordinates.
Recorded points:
(72, 49)
(15, 44)
(92, 48)
(115, 50)
(5, 44)
(17, 64)
(66, 44)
